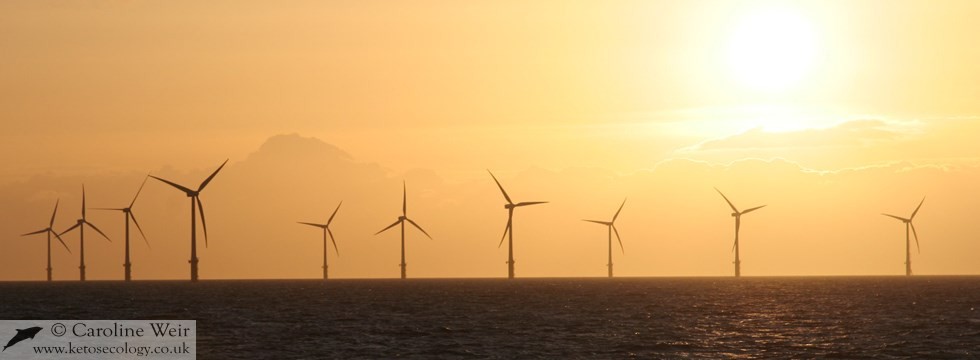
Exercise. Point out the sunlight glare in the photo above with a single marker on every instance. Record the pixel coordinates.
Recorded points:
(771, 50)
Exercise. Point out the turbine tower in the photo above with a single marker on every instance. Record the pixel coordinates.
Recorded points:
(128, 214)
(510, 206)
(908, 248)
(326, 231)
(401, 221)
(80, 225)
(195, 206)
(611, 227)
(49, 231)
(738, 221)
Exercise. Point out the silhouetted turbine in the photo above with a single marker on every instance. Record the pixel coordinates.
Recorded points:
(611, 227)
(128, 214)
(401, 220)
(80, 225)
(510, 205)
(738, 221)
(195, 206)
(908, 224)
(326, 231)
(50, 230)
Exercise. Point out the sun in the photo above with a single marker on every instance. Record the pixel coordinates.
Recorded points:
(771, 50)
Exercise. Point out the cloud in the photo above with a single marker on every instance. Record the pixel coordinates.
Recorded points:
(852, 133)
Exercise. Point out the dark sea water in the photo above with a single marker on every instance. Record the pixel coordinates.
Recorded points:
(833, 317)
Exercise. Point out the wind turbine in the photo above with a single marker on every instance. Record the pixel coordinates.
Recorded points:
(195, 206)
(50, 230)
(908, 224)
(611, 227)
(128, 214)
(326, 231)
(510, 205)
(401, 220)
(80, 225)
(738, 221)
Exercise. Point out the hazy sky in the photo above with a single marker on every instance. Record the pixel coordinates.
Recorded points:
(831, 112)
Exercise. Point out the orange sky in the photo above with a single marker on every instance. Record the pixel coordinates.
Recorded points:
(829, 112)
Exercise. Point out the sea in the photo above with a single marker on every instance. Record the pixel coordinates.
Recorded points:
(921, 317)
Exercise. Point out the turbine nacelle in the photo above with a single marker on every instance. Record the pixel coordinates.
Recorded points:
(899, 218)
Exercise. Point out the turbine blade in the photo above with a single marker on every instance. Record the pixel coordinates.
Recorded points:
(37, 232)
(404, 200)
(60, 240)
(53, 213)
(726, 200)
(389, 226)
(753, 209)
(502, 191)
(97, 230)
(917, 208)
(204, 223)
(617, 211)
(139, 190)
(133, 216)
(112, 209)
(618, 238)
(599, 222)
(70, 229)
(208, 180)
(176, 185)
(334, 242)
(896, 217)
(916, 238)
(506, 229)
(83, 201)
(334, 213)
(311, 224)
(418, 227)
(733, 246)
(526, 203)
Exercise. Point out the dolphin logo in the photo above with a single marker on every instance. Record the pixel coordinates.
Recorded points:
(22, 334)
